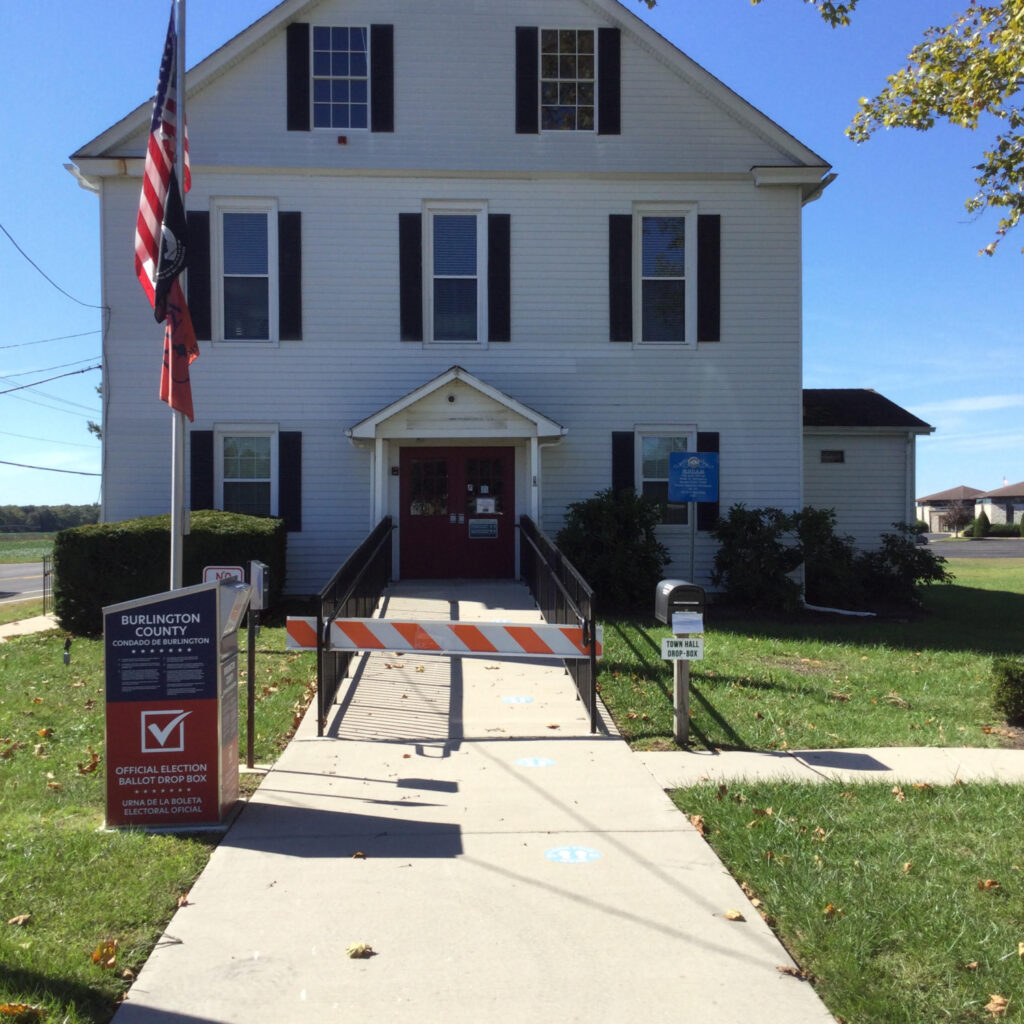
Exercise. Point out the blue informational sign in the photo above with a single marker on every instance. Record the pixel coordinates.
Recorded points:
(692, 476)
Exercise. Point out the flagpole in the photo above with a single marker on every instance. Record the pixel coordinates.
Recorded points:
(178, 421)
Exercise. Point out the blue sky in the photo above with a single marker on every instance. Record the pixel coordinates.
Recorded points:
(895, 296)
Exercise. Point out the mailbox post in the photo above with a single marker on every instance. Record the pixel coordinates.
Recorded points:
(681, 603)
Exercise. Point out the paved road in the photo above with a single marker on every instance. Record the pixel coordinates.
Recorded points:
(990, 547)
(21, 581)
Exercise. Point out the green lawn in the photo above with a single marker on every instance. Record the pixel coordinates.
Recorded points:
(25, 547)
(81, 887)
(820, 682)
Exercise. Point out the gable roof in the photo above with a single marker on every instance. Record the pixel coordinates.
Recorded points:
(809, 168)
(857, 407)
(960, 493)
(1010, 491)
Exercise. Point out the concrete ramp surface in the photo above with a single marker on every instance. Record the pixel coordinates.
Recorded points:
(503, 864)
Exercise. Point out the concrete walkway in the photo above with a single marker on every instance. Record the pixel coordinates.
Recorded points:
(503, 864)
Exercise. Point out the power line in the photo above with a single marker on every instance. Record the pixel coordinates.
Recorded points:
(48, 469)
(43, 341)
(21, 387)
(47, 440)
(45, 369)
(88, 305)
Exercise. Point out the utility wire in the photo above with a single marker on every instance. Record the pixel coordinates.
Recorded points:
(48, 379)
(43, 369)
(43, 341)
(48, 469)
(88, 305)
(47, 440)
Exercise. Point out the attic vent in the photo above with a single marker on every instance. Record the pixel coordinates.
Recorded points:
(833, 455)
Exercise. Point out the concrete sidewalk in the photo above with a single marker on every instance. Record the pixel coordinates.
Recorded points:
(504, 864)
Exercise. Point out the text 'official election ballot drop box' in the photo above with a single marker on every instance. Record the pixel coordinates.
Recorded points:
(172, 706)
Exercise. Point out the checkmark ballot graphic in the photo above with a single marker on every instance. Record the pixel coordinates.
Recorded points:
(163, 731)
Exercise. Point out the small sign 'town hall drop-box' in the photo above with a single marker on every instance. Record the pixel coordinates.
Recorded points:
(172, 706)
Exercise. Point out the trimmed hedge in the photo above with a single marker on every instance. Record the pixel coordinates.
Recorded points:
(1008, 689)
(107, 563)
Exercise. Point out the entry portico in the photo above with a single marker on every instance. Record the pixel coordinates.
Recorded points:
(455, 463)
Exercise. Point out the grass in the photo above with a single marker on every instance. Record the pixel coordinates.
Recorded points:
(901, 904)
(20, 610)
(826, 681)
(25, 547)
(82, 887)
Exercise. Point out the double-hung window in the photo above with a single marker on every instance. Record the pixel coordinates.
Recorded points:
(664, 274)
(567, 79)
(244, 250)
(246, 470)
(341, 77)
(455, 263)
(654, 446)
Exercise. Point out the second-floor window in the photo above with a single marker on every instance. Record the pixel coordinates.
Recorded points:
(246, 235)
(567, 79)
(341, 77)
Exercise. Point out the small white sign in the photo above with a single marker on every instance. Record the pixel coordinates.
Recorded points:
(682, 648)
(213, 573)
(687, 622)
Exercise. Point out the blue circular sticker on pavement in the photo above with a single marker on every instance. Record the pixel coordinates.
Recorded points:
(517, 700)
(572, 854)
(535, 762)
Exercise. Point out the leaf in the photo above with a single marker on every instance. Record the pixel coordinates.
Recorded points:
(20, 920)
(986, 884)
(183, 900)
(105, 953)
(832, 912)
(45, 732)
(359, 855)
(907, 866)
(554, 726)
(697, 821)
(734, 915)
(899, 794)
(793, 972)
(359, 951)
(997, 1005)
(91, 765)
(22, 1013)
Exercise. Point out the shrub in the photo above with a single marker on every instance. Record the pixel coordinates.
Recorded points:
(100, 565)
(754, 559)
(610, 539)
(1008, 689)
(981, 527)
(830, 576)
(895, 572)
(1004, 530)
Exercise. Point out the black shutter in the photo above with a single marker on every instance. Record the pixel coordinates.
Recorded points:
(620, 276)
(289, 479)
(200, 469)
(623, 461)
(499, 277)
(199, 273)
(410, 274)
(527, 81)
(707, 511)
(289, 271)
(382, 78)
(609, 91)
(297, 43)
(709, 277)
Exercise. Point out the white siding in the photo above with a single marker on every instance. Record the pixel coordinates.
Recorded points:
(868, 489)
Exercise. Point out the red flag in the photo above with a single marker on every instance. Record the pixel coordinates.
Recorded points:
(180, 348)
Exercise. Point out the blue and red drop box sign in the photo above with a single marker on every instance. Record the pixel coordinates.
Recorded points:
(172, 706)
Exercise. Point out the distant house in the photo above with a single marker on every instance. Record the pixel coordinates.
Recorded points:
(1005, 505)
(934, 509)
(859, 459)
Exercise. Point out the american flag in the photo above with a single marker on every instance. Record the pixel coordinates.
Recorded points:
(160, 227)
(160, 242)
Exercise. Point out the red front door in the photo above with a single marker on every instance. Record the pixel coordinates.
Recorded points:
(457, 513)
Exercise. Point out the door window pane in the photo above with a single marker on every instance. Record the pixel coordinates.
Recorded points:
(428, 492)
(485, 486)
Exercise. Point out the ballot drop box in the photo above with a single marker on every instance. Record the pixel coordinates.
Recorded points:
(172, 706)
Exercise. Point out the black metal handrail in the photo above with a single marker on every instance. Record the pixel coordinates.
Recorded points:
(353, 592)
(47, 584)
(563, 596)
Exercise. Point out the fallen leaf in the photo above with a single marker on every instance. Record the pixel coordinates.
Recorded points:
(984, 884)
(54, 785)
(554, 726)
(734, 915)
(832, 912)
(1020, 950)
(105, 953)
(44, 732)
(21, 920)
(972, 966)
(39, 750)
(22, 1013)
(183, 900)
(793, 972)
(907, 866)
(359, 855)
(997, 1005)
(91, 765)
(820, 834)
(358, 951)
(899, 794)
(697, 821)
